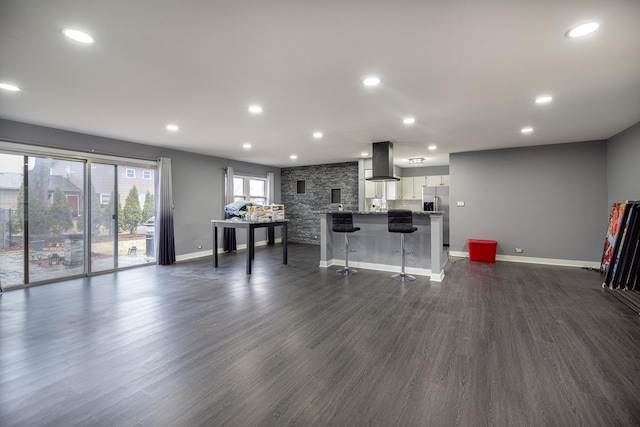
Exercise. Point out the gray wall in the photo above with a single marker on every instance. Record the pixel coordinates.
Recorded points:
(425, 171)
(305, 210)
(623, 165)
(548, 200)
(198, 180)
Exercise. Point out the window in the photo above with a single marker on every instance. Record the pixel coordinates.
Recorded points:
(257, 191)
(146, 174)
(131, 173)
(251, 189)
(105, 198)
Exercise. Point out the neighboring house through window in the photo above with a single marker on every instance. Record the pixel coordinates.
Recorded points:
(131, 173)
(146, 174)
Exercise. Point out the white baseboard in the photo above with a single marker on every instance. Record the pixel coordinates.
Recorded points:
(436, 277)
(533, 260)
(203, 254)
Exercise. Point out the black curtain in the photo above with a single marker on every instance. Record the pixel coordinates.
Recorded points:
(229, 234)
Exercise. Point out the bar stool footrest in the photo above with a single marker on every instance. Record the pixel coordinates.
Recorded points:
(404, 277)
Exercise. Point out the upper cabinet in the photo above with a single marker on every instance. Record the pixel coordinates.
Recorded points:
(372, 189)
(412, 187)
(393, 190)
(438, 181)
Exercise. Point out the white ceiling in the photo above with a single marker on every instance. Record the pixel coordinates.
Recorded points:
(468, 71)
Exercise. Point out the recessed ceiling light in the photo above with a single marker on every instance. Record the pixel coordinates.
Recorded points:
(293, 157)
(78, 35)
(173, 128)
(416, 161)
(543, 99)
(409, 121)
(432, 147)
(371, 81)
(317, 135)
(526, 130)
(364, 154)
(10, 87)
(583, 29)
(255, 109)
(246, 145)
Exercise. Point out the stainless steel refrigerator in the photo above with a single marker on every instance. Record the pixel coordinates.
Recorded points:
(437, 199)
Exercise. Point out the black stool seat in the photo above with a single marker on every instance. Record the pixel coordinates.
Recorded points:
(343, 223)
(401, 221)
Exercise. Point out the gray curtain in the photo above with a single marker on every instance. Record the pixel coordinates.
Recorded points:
(166, 251)
(271, 239)
(229, 234)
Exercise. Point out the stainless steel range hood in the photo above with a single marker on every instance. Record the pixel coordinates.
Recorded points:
(382, 158)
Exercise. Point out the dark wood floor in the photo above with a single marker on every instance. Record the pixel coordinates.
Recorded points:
(494, 344)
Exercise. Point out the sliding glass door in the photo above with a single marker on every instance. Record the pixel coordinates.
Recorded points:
(104, 231)
(11, 221)
(123, 216)
(50, 229)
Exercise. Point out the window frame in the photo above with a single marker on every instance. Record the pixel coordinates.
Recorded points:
(246, 190)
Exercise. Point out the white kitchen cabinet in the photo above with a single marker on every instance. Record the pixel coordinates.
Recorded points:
(369, 186)
(438, 181)
(418, 183)
(393, 190)
(372, 189)
(412, 187)
(407, 187)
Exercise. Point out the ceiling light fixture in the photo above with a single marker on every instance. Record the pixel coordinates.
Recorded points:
(9, 87)
(526, 130)
(317, 135)
(409, 121)
(293, 157)
(543, 99)
(78, 36)
(371, 81)
(582, 30)
(246, 145)
(432, 147)
(255, 109)
(364, 154)
(173, 128)
(416, 161)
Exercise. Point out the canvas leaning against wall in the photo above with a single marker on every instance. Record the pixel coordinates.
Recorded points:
(615, 219)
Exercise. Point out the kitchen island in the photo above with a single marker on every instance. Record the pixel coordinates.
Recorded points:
(378, 249)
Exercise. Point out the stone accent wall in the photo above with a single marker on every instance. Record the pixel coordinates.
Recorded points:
(304, 210)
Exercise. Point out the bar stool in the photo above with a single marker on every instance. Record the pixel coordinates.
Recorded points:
(343, 223)
(401, 221)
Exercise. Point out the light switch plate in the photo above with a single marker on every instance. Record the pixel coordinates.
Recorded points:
(460, 203)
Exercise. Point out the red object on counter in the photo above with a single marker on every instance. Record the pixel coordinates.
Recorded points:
(482, 250)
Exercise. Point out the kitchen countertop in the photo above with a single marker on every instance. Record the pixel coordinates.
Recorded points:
(426, 213)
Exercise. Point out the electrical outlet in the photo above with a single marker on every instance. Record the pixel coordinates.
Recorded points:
(519, 250)
(460, 203)
(199, 247)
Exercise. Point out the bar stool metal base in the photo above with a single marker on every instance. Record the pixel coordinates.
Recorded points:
(404, 277)
(347, 271)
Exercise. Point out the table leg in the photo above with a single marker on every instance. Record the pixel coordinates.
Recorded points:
(253, 241)
(249, 248)
(215, 246)
(284, 243)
